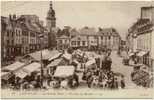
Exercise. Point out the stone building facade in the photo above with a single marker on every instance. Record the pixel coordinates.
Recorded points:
(140, 37)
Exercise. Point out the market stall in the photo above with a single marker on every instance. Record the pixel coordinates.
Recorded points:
(52, 66)
(141, 76)
(13, 67)
(64, 75)
(64, 71)
(27, 70)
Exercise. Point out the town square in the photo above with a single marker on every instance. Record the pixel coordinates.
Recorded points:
(68, 49)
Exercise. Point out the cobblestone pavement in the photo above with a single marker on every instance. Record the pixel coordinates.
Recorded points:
(117, 66)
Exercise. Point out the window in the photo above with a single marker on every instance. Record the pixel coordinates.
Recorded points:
(102, 37)
(79, 38)
(8, 33)
(78, 43)
(23, 41)
(83, 43)
(95, 37)
(65, 41)
(12, 34)
(19, 32)
(109, 37)
(73, 43)
(12, 41)
(16, 32)
(60, 41)
(8, 42)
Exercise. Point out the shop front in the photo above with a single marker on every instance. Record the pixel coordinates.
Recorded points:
(144, 58)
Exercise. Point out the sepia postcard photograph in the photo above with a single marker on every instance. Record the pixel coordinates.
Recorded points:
(77, 49)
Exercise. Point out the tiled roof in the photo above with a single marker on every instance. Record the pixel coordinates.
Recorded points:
(79, 38)
(108, 31)
(138, 22)
(87, 31)
(32, 23)
(63, 37)
(74, 32)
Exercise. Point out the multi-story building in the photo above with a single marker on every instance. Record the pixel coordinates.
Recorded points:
(79, 42)
(91, 35)
(63, 42)
(109, 38)
(20, 35)
(141, 37)
(148, 13)
(5, 32)
(32, 28)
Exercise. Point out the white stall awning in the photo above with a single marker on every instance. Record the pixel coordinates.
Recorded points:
(14, 66)
(64, 71)
(90, 62)
(54, 63)
(67, 56)
(55, 56)
(131, 54)
(21, 73)
(32, 67)
(141, 53)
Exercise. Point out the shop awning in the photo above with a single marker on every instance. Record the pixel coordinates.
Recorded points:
(32, 67)
(46, 54)
(21, 73)
(14, 66)
(141, 53)
(55, 56)
(131, 54)
(90, 62)
(5, 75)
(67, 56)
(64, 71)
(54, 63)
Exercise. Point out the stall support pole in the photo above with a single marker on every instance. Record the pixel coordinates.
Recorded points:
(41, 70)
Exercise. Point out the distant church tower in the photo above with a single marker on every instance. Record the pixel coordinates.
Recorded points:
(51, 19)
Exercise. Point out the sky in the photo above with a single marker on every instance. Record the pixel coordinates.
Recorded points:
(77, 14)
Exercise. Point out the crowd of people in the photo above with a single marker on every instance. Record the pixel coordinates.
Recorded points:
(98, 73)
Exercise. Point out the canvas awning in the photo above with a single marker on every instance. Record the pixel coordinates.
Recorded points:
(14, 66)
(46, 54)
(32, 67)
(21, 73)
(131, 54)
(67, 56)
(5, 75)
(64, 71)
(141, 53)
(90, 62)
(55, 56)
(54, 63)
